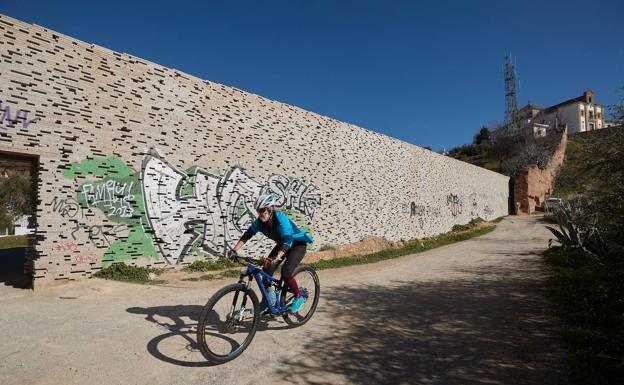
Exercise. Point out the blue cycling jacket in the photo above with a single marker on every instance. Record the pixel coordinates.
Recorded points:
(284, 231)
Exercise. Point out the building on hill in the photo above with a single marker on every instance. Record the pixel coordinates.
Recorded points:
(529, 122)
(578, 114)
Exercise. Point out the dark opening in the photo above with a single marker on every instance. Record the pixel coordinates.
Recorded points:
(511, 200)
(18, 203)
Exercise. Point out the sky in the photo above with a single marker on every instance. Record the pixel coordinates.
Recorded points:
(426, 72)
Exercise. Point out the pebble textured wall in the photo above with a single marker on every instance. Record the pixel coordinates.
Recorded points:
(147, 165)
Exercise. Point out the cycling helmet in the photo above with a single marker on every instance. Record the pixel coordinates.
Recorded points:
(265, 201)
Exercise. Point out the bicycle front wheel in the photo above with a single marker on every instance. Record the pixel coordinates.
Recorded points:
(228, 323)
(310, 289)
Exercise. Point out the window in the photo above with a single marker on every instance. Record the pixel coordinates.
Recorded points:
(583, 125)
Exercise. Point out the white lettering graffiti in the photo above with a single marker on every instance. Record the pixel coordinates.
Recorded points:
(295, 194)
(217, 209)
(113, 195)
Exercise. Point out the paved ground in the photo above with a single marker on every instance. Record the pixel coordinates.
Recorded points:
(468, 313)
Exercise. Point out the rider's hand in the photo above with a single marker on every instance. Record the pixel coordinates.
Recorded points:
(232, 253)
(267, 263)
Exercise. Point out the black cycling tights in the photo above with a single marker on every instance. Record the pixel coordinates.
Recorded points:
(291, 259)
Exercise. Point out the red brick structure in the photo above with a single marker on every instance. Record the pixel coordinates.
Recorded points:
(534, 185)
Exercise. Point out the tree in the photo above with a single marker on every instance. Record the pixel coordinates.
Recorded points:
(14, 197)
(483, 136)
(617, 110)
(528, 152)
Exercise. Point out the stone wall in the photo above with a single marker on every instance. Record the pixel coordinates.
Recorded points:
(533, 185)
(151, 166)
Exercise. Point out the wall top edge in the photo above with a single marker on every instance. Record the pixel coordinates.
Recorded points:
(181, 75)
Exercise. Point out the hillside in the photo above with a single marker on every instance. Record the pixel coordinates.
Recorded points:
(593, 163)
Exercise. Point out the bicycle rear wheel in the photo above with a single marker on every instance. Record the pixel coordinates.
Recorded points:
(228, 323)
(310, 289)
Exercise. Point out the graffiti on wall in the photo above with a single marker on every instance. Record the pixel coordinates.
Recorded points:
(114, 196)
(197, 208)
(421, 213)
(171, 213)
(7, 119)
(478, 205)
(67, 207)
(455, 204)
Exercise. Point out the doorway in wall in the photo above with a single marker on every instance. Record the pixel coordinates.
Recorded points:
(18, 197)
(512, 201)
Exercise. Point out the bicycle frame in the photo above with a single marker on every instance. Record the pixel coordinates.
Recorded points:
(258, 274)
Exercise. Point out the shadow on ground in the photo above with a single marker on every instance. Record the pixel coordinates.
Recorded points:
(491, 327)
(12, 267)
(178, 345)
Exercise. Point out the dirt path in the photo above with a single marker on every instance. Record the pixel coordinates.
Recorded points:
(468, 313)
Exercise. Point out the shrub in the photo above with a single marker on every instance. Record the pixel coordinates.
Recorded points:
(473, 222)
(123, 272)
(219, 264)
(588, 298)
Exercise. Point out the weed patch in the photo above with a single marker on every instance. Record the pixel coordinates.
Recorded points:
(588, 298)
(411, 247)
(123, 272)
(13, 242)
(219, 264)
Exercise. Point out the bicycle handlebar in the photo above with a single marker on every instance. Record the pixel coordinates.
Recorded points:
(255, 261)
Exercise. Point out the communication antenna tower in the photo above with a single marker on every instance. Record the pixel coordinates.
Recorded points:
(511, 104)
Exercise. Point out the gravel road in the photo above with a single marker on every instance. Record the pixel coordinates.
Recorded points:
(473, 312)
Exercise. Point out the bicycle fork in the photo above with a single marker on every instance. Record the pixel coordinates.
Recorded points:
(242, 309)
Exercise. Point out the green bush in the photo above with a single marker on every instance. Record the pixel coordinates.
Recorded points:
(411, 247)
(589, 299)
(469, 225)
(219, 264)
(123, 272)
(232, 273)
(14, 197)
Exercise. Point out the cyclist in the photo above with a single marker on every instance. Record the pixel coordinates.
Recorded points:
(291, 243)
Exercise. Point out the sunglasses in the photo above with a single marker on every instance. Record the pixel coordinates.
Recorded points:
(261, 211)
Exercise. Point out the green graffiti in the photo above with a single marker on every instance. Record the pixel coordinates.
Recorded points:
(196, 246)
(188, 186)
(136, 245)
(112, 167)
(118, 195)
(115, 189)
(240, 208)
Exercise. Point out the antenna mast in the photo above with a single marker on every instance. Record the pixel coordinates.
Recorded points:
(511, 104)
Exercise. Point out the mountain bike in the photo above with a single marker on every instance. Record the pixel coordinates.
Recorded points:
(229, 320)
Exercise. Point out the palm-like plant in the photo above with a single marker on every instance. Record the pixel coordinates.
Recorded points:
(570, 235)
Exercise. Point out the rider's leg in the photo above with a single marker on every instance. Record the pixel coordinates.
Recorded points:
(271, 269)
(293, 258)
